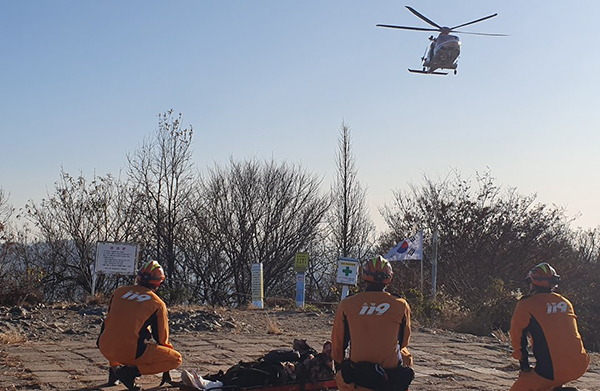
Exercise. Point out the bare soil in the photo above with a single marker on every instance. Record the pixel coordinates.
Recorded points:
(54, 348)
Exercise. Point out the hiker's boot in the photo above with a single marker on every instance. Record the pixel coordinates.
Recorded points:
(127, 374)
(112, 377)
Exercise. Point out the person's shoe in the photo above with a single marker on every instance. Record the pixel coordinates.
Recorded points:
(112, 377)
(193, 379)
(127, 374)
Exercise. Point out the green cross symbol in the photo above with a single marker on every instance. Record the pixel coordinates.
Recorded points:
(347, 271)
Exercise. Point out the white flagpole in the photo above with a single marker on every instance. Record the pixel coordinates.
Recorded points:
(423, 293)
(434, 264)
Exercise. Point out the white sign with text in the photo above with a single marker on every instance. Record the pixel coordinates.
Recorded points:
(116, 258)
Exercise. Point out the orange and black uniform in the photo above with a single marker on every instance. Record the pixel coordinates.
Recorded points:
(376, 326)
(136, 314)
(550, 321)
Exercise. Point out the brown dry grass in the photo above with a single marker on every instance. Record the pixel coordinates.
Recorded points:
(594, 359)
(11, 337)
(501, 336)
(272, 327)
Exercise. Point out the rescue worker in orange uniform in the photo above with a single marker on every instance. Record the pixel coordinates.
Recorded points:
(375, 326)
(136, 315)
(549, 320)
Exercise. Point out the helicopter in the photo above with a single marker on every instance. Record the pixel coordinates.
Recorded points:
(444, 49)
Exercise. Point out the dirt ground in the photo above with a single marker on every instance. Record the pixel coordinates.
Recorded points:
(53, 348)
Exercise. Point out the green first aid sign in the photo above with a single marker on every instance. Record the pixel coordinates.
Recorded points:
(347, 271)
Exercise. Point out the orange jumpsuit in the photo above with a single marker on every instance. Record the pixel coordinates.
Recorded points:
(135, 315)
(376, 326)
(550, 321)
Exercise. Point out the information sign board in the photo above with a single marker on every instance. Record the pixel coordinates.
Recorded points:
(257, 285)
(116, 258)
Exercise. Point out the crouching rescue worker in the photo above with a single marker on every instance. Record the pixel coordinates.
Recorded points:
(135, 316)
(375, 326)
(549, 320)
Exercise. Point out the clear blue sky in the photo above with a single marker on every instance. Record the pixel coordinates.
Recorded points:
(82, 83)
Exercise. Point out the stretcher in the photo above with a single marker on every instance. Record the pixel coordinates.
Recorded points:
(321, 385)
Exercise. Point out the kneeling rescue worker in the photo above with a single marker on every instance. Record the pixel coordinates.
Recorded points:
(549, 319)
(375, 326)
(135, 315)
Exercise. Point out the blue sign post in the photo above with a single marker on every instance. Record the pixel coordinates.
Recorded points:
(300, 265)
(300, 288)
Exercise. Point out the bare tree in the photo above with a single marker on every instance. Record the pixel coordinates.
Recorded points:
(162, 171)
(257, 212)
(71, 221)
(487, 237)
(349, 224)
(6, 211)
(348, 230)
(580, 274)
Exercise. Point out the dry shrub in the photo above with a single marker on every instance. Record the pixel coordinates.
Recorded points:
(272, 327)
(491, 311)
(12, 294)
(100, 299)
(424, 311)
(501, 336)
(11, 337)
(451, 313)
(280, 303)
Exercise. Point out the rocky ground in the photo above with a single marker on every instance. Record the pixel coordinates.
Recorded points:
(53, 348)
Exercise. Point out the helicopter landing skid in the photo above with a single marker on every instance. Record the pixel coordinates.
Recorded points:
(426, 72)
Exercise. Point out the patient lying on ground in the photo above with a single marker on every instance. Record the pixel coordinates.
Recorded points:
(301, 364)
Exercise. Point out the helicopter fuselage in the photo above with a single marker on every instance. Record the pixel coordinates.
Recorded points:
(444, 50)
(443, 53)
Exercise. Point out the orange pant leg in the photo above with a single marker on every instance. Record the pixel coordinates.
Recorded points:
(531, 381)
(158, 359)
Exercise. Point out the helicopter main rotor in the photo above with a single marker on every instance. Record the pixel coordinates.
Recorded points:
(441, 29)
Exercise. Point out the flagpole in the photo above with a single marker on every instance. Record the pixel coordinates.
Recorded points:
(434, 264)
(422, 256)
(422, 292)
